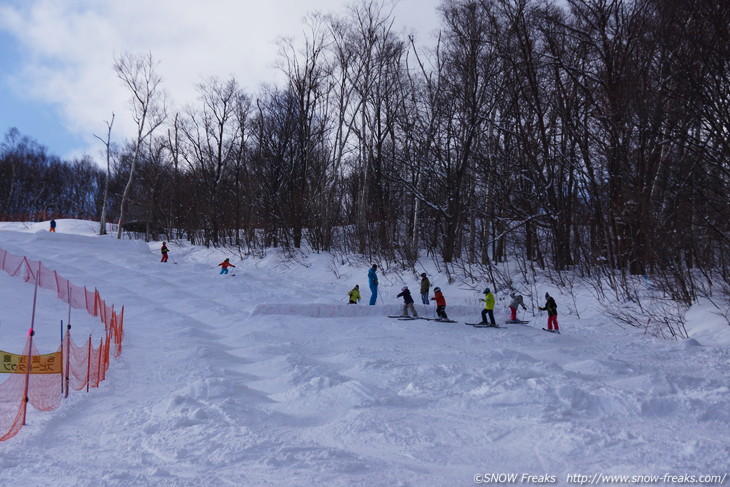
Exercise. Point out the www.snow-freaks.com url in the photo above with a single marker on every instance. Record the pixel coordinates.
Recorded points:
(599, 478)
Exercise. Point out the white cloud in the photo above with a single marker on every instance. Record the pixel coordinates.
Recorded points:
(69, 48)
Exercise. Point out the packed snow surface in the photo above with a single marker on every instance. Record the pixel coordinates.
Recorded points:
(268, 378)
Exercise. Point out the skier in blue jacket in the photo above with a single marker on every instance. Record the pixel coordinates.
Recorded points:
(373, 280)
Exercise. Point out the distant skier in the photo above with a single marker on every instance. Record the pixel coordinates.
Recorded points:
(425, 285)
(354, 295)
(514, 304)
(164, 250)
(440, 303)
(552, 308)
(373, 280)
(225, 265)
(488, 307)
(53, 226)
(407, 302)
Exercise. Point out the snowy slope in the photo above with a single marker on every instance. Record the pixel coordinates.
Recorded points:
(211, 390)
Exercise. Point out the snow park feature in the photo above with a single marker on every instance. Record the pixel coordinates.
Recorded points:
(271, 378)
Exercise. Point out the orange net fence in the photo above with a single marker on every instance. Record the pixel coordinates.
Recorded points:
(51, 376)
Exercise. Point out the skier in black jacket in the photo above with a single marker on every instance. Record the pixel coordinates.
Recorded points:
(407, 302)
(552, 308)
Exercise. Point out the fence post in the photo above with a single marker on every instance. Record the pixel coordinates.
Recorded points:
(68, 356)
(61, 357)
(31, 332)
(98, 366)
(88, 366)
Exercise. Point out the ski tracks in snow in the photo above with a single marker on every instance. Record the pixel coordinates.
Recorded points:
(205, 393)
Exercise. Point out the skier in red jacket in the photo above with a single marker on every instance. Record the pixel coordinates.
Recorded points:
(440, 303)
(225, 265)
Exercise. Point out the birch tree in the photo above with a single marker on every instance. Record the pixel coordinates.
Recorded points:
(139, 76)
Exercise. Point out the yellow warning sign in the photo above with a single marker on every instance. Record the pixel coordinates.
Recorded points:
(49, 363)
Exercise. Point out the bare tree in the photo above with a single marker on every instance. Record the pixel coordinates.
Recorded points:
(138, 74)
(107, 145)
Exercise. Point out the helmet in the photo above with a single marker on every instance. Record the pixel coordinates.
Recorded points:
(486, 290)
(404, 288)
(437, 289)
(423, 274)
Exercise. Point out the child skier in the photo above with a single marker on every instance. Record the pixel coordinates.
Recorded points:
(516, 301)
(354, 295)
(53, 226)
(488, 308)
(440, 303)
(225, 265)
(407, 302)
(552, 308)
(164, 250)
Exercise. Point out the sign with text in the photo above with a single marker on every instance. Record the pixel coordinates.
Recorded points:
(49, 363)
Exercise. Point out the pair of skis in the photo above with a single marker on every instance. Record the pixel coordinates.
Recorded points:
(475, 325)
(410, 318)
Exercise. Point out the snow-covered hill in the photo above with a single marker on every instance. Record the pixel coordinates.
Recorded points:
(267, 378)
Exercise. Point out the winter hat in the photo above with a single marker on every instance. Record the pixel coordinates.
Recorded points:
(437, 289)
(357, 286)
(486, 290)
(423, 274)
(547, 295)
(405, 288)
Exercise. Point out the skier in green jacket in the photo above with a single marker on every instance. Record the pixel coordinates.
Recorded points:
(354, 295)
(425, 285)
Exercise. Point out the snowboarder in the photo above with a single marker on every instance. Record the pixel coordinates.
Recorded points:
(514, 304)
(53, 226)
(373, 280)
(225, 265)
(552, 308)
(164, 250)
(354, 295)
(440, 303)
(488, 307)
(407, 302)
(425, 285)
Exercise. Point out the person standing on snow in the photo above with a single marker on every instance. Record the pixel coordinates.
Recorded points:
(373, 280)
(552, 308)
(488, 307)
(425, 285)
(407, 302)
(225, 265)
(164, 250)
(516, 301)
(354, 295)
(440, 303)
(53, 226)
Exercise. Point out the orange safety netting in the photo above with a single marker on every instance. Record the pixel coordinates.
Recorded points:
(82, 366)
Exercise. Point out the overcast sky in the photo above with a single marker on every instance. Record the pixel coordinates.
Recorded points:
(57, 84)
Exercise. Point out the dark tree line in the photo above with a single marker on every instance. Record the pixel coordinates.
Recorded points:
(591, 136)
